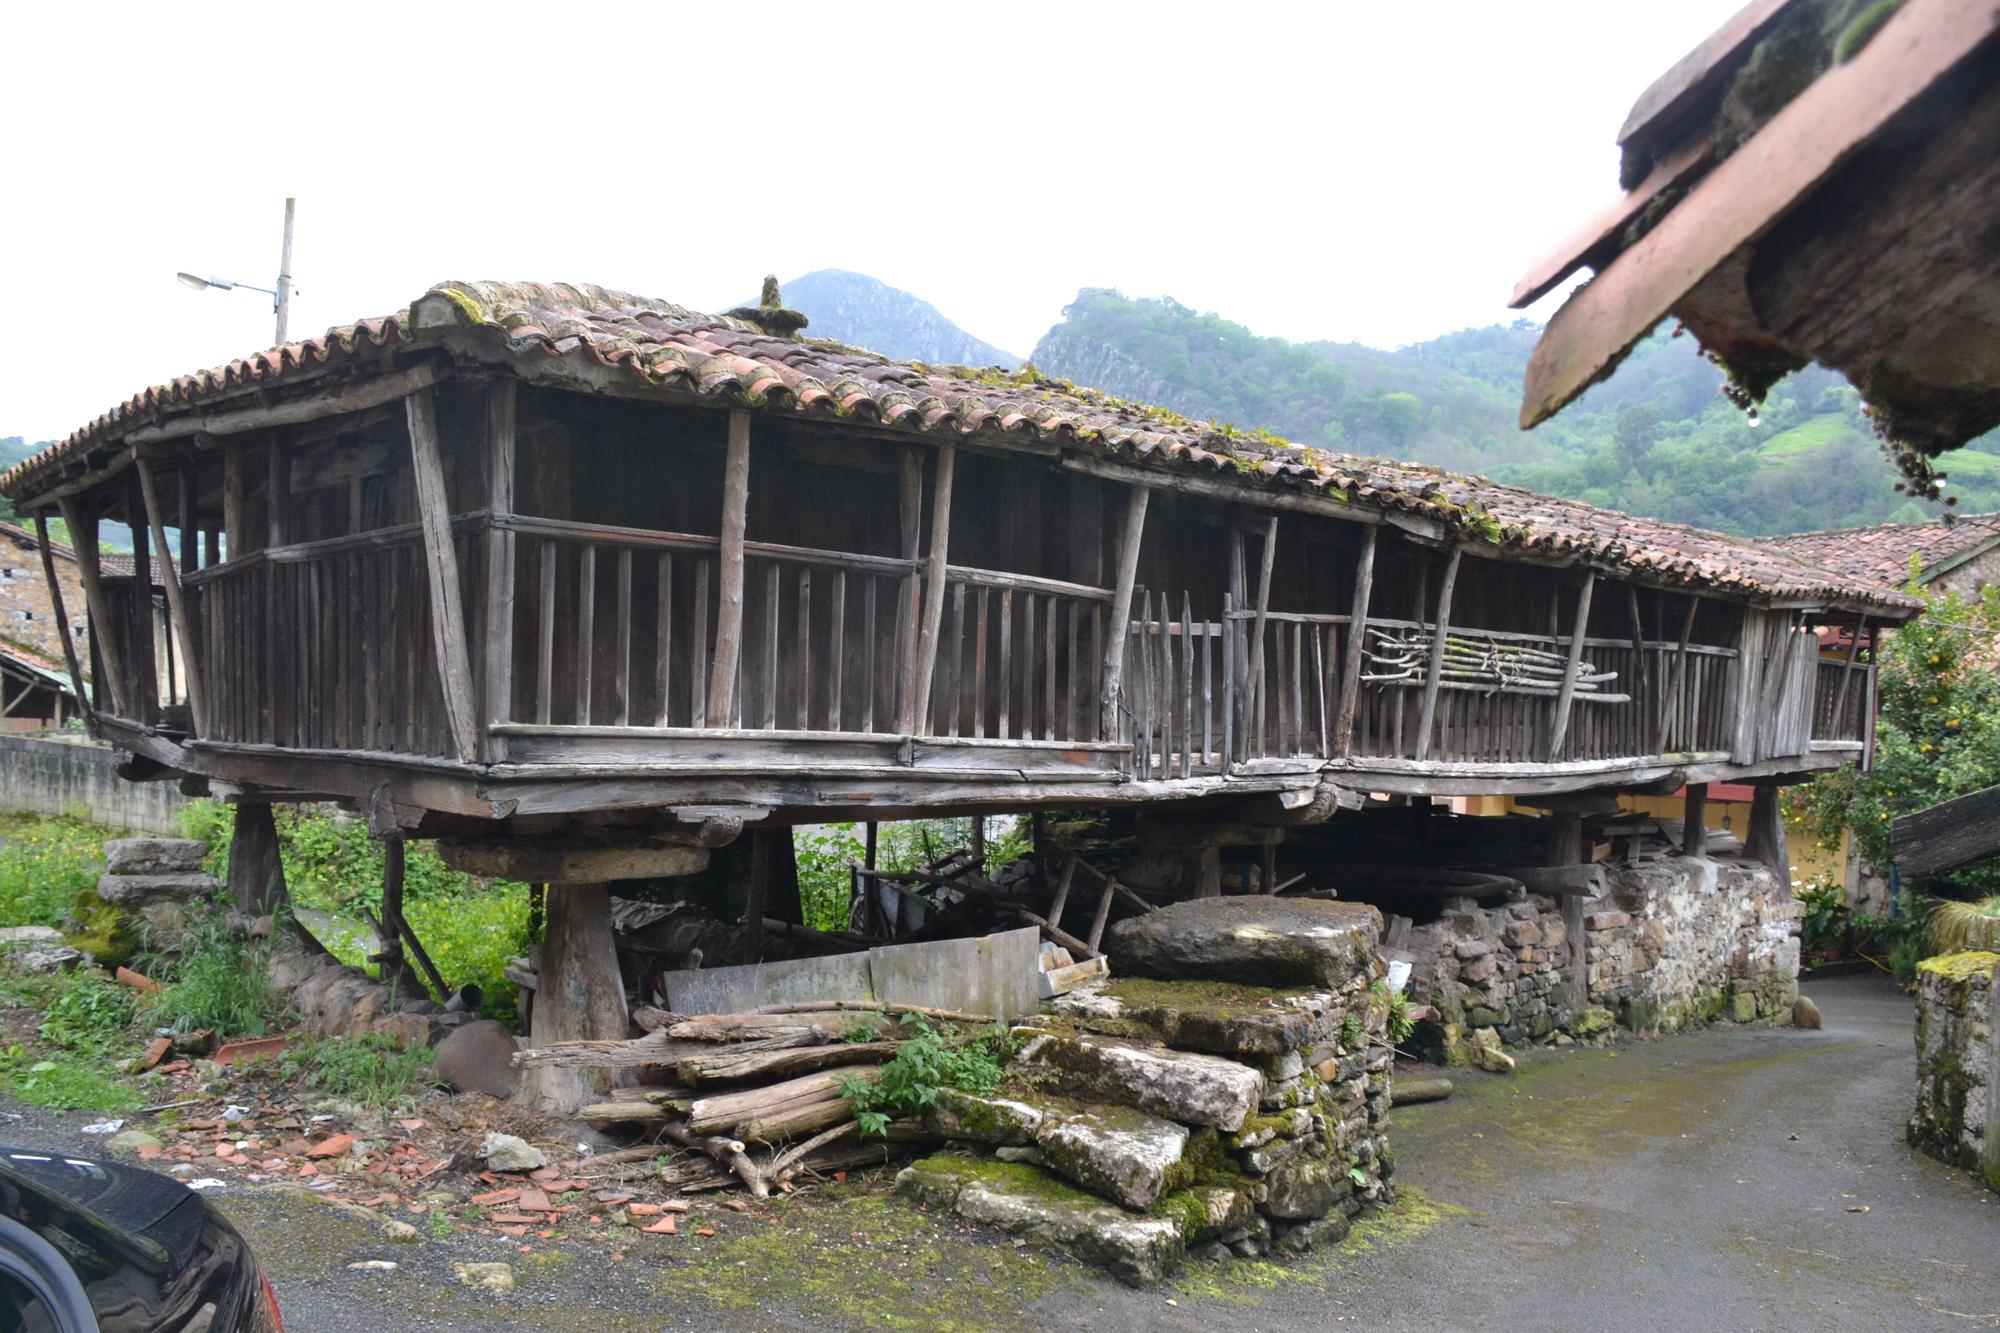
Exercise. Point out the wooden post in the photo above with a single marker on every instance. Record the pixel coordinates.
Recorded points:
(1566, 696)
(580, 995)
(233, 492)
(83, 540)
(1264, 560)
(277, 493)
(871, 834)
(1766, 838)
(441, 564)
(782, 901)
(62, 614)
(979, 836)
(140, 623)
(391, 954)
(256, 871)
(1643, 685)
(1357, 635)
(176, 605)
(729, 598)
(1121, 611)
(759, 895)
(1847, 672)
(917, 704)
(190, 522)
(1434, 672)
(1694, 821)
(499, 571)
(1267, 867)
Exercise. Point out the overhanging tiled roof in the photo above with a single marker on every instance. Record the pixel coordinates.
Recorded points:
(1883, 553)
(688, 355)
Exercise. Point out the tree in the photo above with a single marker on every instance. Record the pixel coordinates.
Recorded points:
(1399, 415)
(1937, 735)
(1633, 438)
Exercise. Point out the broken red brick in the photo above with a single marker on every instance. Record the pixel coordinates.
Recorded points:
(336, 1146)
(666, 1226)
(493, 1197)
(236, 1052)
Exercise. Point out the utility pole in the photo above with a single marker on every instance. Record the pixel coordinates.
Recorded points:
(285, 276)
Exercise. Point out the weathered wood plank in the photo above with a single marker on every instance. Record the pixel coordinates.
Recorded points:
(1129, 541)
(61, 612)
(498, 647)
(1427, 711)
(1947, 835)
(83, 540)
(917, 706)
(1559, 730)
(1357, 635)
(729, 599)
(441, 567)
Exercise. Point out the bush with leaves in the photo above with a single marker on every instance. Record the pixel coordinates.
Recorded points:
(928, 1060)
(1937, 735)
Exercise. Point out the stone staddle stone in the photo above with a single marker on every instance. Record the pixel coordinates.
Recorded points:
(1254, 939)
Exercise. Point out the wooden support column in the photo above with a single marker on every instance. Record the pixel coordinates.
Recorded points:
(1265, 560)
(1766, 838)
(498, 673)
(1357, 637)
(256, 871)
(917, 705)
(1566, 849)
(62, 615)
(1119, 626)
(83, 539)
(1670, 702)
(141, 624)
(1694, 821)
(441, 564)
(1434, 672)
(190, 521)
(278, 490)
(729, 573)
(390, 957)
(184, 634)
(235, 538)
(1566, 696)
(580, 995)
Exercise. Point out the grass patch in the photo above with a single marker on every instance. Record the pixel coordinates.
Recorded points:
(88, 1014)
(218, 981)
(63, 1084)
(367, 1069)
(1410, 1216)
(44, 864)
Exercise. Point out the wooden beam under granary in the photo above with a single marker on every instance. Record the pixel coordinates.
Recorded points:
(583, 584)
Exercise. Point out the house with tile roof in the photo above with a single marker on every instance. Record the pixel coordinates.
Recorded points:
(583, 584)
(1962, 556)
(35, 689)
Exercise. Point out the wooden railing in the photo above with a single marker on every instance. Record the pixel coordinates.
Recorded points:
(1019, 658)
(323, 645)
(1177, 689)
(1843, 694)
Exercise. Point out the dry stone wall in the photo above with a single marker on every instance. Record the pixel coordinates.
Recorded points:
(1670, 942)
(1957, 1119)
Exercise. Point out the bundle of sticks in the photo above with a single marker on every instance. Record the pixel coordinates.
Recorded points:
(757, 1097)
(1474, 662)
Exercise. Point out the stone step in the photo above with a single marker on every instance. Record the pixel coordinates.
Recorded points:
(1023, 1201)
(1251, 938)
(1178, 1085)
(1127, 1156)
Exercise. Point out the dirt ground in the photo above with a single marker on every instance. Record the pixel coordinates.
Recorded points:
(1723, 1179)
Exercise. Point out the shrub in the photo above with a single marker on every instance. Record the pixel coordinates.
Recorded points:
(929, 1060)
(89, 1014)
(1824, 925)
(368, 1069)
(219, 981)
(1956, 927)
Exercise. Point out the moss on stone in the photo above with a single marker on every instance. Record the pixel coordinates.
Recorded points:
(1961, 966)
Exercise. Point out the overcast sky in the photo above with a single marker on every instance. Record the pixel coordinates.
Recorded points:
(1379, 173)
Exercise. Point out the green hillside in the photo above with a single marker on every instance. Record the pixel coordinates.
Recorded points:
(1656, 439)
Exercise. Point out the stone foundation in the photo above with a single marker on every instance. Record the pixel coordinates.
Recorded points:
(1670, 942)
(1957, 1118)
(1148, 1120)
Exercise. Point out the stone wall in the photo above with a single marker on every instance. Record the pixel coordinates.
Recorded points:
(1957, 1119)
(1670, 942)
(42, 775)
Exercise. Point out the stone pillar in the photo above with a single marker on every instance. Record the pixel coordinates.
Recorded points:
(580, 994)
(256, 872)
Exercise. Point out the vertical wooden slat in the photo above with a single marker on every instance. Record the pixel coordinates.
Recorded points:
(1846, 674)
(802, 710)
(1049, 668)
(917, 706)
(176, 604)
(1357, 634)
(441, 565)
(698, 664)
(545, 635)
(1319, 687)
(1121, 612)
(1566, 696)
(1433, 672)
(586, 630)
(234, 533)
(103, 633)
(1028, 666)
(1265, 559)
(771, 649)
(837, 650)
(1230, 630)
(1006, 664)
(870, 655)
(1143, 723)
(1187, 687)
(979, 665)
(190, 524)
(909, 600)
(663, 640)
(498, 675)
(1207, 693)
(621, 658)
(729, 597)
(956, 638)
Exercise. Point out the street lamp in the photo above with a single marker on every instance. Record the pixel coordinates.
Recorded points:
(281, 295)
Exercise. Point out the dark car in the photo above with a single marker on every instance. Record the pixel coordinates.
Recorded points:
(88, 1246)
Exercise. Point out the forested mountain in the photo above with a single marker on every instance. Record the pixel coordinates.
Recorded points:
(1656, 439)
(856, 309)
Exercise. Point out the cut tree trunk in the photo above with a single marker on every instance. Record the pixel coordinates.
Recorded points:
(581, 996)
(256, 874)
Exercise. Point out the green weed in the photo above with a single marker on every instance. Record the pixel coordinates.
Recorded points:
(63, 1084)
(219, 981)
(368, 1069)
(89, 1015)
(44, 864)
(929, 1060)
